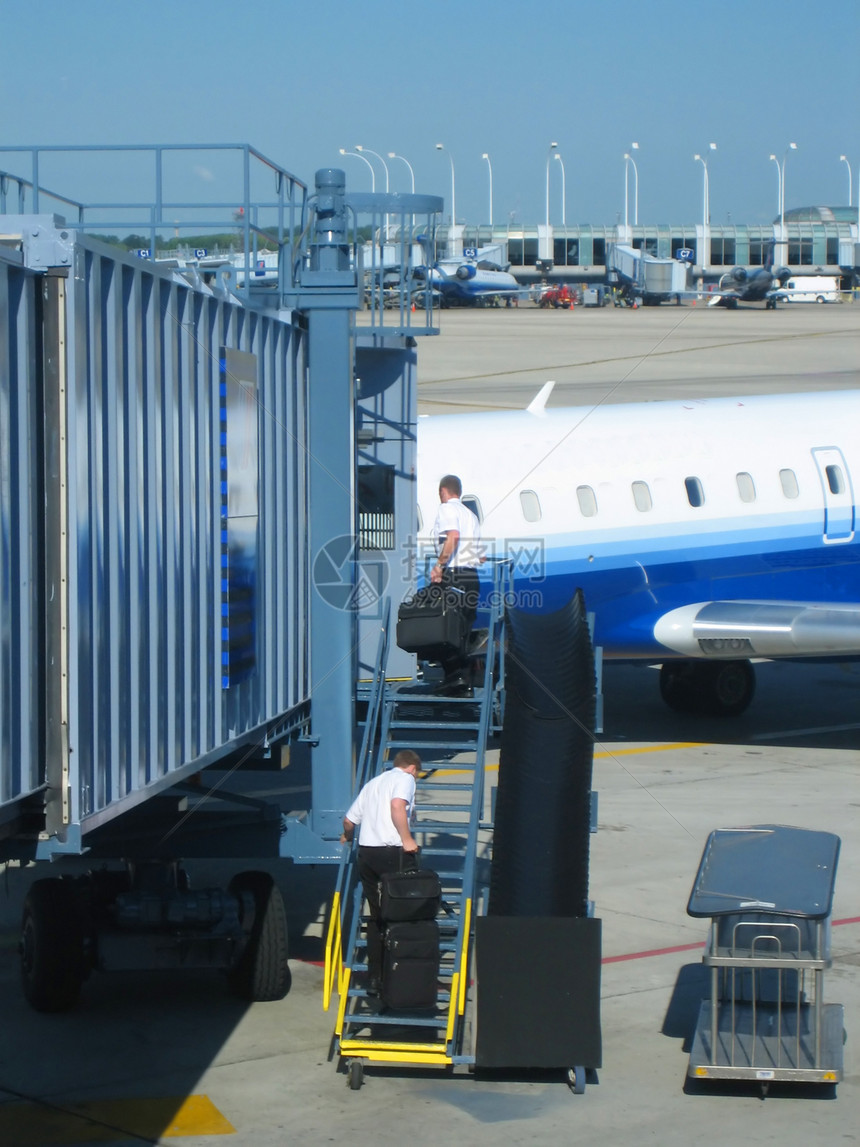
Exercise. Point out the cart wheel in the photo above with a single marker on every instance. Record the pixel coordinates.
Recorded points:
(576, 1080)
(355, 1074)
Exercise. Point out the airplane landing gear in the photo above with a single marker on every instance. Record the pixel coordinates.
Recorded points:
(715, 688)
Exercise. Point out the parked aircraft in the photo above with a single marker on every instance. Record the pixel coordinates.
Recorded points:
(704, 533)
(473, 280)
(742, 286)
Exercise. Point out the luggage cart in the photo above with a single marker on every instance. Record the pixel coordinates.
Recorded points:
(768, 890)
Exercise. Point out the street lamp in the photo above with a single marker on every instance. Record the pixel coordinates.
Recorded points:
(706, 201)
(844, 159)
(563, 195)
(778, 184)
(490, 169)
(552, 148)
(394, 155)
(441, 147)
(628, 159)
(791, 147)
(359, 148)
(355, 154)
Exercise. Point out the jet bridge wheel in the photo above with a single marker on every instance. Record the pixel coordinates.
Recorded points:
(262, 971)
(715, 688)
(53, 967)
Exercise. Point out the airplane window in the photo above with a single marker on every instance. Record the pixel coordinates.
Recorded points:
(834, 479)
(587, 501)
(642, 496)
(789, 483)
(746, 487)
(530, 503)
(695, 493)
(474, 505)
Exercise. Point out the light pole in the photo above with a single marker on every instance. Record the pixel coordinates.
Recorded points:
(552, 148)
(791, 147)
(628, 159)
(403, 159)
(778, 185)
(452, 245)
(359, 148)
(355, 154)
(844, 159)
(706, 208)
(706, 201)
(490, 169)
(563, 195)
(441, 147)
(394, 155)
(370, 151)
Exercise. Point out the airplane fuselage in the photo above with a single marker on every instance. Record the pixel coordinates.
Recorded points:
(658, 510)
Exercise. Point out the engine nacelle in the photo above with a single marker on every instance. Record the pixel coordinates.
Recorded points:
(466, 271)
(783, 274)
(739, 274)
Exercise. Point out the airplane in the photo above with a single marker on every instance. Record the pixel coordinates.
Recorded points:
(741, 285)
(704, 533)
(474, 280)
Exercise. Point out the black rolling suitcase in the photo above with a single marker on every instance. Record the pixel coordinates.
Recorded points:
(431, 623)
(410, 966)
(413, 894)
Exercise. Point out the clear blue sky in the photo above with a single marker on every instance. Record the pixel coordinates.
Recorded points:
(299, 80)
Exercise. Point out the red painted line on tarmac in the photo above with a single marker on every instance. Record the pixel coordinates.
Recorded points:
(643, 955)
(692, 947)
(652, 952)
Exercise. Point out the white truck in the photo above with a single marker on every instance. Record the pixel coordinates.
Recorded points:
(810, 289)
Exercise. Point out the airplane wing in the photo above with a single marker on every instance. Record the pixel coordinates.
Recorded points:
(743, 629)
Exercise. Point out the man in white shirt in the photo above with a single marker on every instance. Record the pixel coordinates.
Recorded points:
(382, 812)
(458, 534)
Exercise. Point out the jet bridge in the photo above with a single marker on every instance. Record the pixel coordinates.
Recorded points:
(211, 488)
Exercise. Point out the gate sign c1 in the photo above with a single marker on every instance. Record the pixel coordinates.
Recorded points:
(143, 252)
(470, 252)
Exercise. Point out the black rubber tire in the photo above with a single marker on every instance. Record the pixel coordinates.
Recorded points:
(355, 1074)
(728, 687)
(52, 946)
(263, 971)
(715, 688)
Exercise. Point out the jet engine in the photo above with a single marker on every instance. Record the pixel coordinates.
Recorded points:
(783, 274)
(466, 271)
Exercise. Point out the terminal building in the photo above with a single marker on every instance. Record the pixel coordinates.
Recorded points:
(809, 240)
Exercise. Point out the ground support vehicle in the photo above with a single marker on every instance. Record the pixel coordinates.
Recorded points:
(768, 890)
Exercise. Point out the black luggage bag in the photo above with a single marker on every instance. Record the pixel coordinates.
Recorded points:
(431, 623)
(414, 894)
(410, 966)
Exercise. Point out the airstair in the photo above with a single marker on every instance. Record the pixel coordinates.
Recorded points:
(452, 826)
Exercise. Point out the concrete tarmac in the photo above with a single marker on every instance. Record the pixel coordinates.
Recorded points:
(173, 1059)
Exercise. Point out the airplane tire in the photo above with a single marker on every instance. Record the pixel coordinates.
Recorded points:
(715, 688)
(728, 687)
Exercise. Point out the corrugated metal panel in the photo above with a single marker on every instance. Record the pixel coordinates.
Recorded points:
(148, 419)
(20, 667)
(138, 515)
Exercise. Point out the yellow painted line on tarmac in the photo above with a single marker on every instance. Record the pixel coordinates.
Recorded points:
(651, 749)
(608, 753)
(110, 1120)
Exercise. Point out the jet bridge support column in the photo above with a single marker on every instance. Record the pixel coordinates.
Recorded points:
(329, 292)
